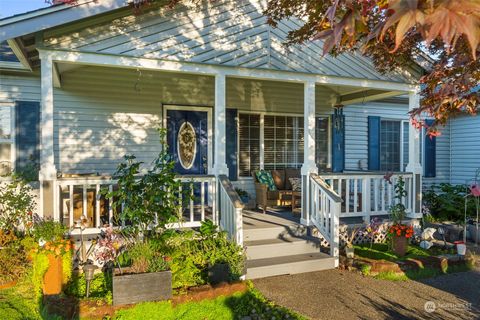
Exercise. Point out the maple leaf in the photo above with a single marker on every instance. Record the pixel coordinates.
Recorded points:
(453, 18)
(406, 15)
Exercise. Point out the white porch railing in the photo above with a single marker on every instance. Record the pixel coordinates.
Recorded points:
(76, 197)
(366, 194)
(231, 208)
(324, 207)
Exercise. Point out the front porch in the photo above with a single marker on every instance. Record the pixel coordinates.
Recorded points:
(254, 120)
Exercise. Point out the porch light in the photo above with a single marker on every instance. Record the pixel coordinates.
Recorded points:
(89, 271)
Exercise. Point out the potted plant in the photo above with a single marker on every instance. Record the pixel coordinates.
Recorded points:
(244, 196)
(398, 231)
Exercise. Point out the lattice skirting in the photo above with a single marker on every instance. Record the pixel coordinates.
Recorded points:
(360, 238)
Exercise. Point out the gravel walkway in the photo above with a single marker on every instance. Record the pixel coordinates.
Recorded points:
(335, 294)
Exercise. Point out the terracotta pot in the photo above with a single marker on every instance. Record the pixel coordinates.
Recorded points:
(52, 281)
(400, 245)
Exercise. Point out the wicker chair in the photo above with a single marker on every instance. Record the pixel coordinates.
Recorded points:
(267, 198)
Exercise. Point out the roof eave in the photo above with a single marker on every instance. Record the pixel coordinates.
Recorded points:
(50, 17)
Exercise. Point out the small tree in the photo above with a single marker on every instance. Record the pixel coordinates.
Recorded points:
(150, 201)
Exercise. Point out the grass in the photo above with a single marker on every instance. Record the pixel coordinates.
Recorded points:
(380, 251)
(223, 308)
(419, 274)
(21, 303)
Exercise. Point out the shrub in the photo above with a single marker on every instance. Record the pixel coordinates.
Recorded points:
(13, 259)
(17, 203)
(190, 254)
(49, 230)
(447, 202)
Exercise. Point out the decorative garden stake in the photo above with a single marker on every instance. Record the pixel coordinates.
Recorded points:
(89, 271)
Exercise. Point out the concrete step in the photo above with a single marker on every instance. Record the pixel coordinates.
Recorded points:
(269, 248)
(274, 232)
(291, 264)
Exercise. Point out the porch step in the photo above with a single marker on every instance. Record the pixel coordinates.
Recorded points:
(278, 244)
(274, 232)
(269, 248)
(290, 264)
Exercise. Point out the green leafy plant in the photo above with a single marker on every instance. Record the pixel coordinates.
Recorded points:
(397, 210)
(190, 254)
(208, 228)
(150, 201)
(145, 257)
(446, 202)
(49, 230)
(17, 203)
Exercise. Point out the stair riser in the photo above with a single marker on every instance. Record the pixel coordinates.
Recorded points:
(281, 249)
(291, 268)
(273, 233)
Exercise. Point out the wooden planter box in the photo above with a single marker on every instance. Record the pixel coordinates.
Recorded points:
(134, 288)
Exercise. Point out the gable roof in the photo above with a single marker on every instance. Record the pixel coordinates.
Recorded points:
(231, 33)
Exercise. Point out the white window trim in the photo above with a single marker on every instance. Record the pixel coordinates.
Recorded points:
(262, 138)
(12, 139)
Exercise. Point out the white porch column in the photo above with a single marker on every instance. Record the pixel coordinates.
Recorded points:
(414, 165)
(220, 160)
(309, 165)
(48, 172)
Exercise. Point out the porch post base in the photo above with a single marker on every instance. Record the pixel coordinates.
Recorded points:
(220, 169)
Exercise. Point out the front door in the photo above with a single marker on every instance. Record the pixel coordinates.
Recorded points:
(187, 138)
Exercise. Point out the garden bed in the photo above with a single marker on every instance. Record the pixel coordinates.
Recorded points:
(380, 262)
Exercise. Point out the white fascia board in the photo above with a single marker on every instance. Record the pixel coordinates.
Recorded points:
(100, 59)
(54, 16)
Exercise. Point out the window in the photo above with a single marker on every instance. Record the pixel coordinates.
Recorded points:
(249, 143)
(283, 141)
(6, 140)
(394, 145)
(390, 139)
(321, 143)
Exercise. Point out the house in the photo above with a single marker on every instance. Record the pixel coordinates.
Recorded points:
(84, 84)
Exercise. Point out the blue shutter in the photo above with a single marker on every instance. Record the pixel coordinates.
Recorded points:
(430, 154)
(338, 142)
(27, 137)
(373, 143)
(231, 145)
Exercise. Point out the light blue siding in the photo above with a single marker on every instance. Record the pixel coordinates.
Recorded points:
(465, 148)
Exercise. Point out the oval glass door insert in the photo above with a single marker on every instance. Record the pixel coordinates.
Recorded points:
(186, 145)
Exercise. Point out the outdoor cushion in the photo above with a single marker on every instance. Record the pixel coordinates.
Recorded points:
(265, 177)
(279, 178)
(291, 173)
(296, 184)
